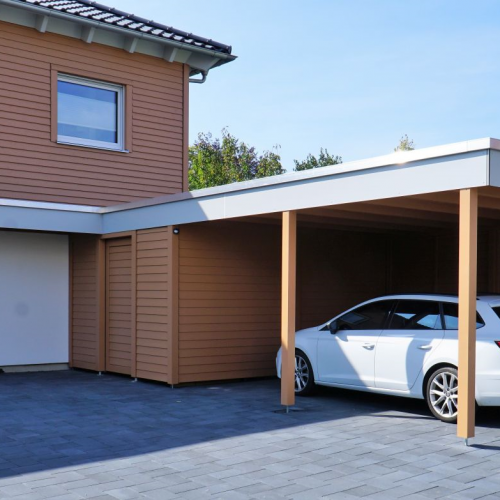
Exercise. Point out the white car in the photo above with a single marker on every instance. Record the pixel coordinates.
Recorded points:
(405, 345)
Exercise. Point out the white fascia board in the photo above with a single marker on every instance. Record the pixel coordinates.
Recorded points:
(401, 158)
(42, 218)
(494, 168)
(334, 187)
(446, 168)
(46, 205)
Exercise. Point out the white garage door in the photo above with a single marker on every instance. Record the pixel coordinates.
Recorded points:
(34, 298)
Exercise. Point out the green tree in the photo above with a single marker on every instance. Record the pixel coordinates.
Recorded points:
(214, 161)
(405, 144)
(324, 159)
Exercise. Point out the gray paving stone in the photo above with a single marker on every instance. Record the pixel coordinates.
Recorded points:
(72, 435)
(15, 490)
(363, 491)
(123, 493)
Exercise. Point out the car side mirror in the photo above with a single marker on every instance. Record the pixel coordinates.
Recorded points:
(333, 327)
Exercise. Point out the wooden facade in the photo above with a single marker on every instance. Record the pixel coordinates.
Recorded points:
(208, 300)
(84, 303)
(119, 306)
(35, 167)
(229, 300)
(154, 314)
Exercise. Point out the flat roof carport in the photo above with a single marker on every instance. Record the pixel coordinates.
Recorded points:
(467, 270)
(417, 188)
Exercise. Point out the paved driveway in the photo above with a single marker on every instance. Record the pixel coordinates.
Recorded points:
(73, 435)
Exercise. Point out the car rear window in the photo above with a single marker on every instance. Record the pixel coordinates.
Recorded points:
(496, 310)
(450, 313)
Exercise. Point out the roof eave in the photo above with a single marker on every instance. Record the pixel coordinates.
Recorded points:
(206, 58)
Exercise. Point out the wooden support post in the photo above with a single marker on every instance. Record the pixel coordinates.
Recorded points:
(467, 291)
(288, 291)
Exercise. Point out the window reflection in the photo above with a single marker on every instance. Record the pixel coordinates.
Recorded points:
(87, 113)
(416, 315)
(450, 313)
(369, 317)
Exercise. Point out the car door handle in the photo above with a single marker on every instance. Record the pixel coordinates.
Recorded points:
(425, 347)
(368, 346)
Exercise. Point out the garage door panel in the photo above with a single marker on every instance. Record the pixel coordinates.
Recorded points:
(34, 305)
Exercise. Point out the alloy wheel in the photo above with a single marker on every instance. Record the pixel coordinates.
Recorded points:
(443, 394)
(301, 373)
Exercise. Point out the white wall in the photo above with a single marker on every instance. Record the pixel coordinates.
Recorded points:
(34, 298)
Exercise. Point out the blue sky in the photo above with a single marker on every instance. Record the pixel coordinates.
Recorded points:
(348, 75)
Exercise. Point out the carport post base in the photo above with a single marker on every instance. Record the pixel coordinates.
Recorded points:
(288, 287)
(467, 298)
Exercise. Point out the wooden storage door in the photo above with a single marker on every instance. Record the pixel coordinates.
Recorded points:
(119, 305)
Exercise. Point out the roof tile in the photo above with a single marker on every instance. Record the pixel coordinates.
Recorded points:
(92, 10)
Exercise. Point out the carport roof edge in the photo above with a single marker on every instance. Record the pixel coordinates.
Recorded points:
(454, 166)
(399, 158)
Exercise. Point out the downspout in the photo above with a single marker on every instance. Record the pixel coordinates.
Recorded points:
(201, 80)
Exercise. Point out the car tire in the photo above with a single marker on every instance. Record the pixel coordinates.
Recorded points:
(441, 394)
(304, 376)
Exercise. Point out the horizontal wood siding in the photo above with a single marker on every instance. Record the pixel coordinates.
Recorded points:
(229, 300)
(447, 262)
(33, 167)
(337, 270)
(84, 319)
(119, 306)
(153, 314)
(414, 263)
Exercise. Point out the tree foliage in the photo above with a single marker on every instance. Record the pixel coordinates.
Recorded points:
(214, 161)
(324, 159)
(405, 144)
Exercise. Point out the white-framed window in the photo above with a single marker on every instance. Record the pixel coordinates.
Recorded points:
(90, 113)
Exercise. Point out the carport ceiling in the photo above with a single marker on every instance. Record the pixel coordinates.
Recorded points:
(426, 211)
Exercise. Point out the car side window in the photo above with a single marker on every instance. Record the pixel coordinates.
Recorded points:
(416, 315)
(450, 314)
(368, 317)
(496, 310)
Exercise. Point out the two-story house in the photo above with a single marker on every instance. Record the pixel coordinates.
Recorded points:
(93, 112)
